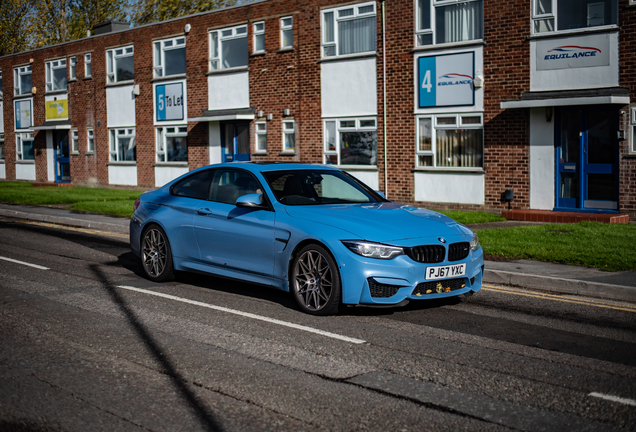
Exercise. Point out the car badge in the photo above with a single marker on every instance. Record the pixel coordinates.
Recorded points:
(441, 239)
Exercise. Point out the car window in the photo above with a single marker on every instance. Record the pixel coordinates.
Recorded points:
(307, 187)
(194, 186)
(230, 184)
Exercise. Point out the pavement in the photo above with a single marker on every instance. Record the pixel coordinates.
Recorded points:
(535, 275)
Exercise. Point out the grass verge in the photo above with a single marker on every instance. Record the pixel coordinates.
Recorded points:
(588, 244)
(467, 217)
(114, 202)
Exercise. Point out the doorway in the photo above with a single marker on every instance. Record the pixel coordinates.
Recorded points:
(61, 156)
(586, 159)
(235, 137)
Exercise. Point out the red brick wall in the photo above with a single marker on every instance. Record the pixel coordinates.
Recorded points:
(627, 68)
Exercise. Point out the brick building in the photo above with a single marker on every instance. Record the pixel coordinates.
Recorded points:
(441, 103)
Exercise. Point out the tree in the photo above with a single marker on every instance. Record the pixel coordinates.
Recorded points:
(86, 14)
(149, 11)
(15, 25)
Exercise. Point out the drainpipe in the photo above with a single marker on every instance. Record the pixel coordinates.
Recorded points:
(386, 186)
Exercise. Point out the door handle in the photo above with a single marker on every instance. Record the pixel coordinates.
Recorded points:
(204, 211)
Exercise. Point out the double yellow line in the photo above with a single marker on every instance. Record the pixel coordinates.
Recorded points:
(583, 301)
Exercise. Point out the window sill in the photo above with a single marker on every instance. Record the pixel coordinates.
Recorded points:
(122, 163)
(258, 53)
(373, 168)
(228, 70)
(71, 80)
(446, 170)
(55, 92)
(169, 78)
(23, 96)
(347, 57)
(25, 162)
(586, 30)
(171, 164)
(475, 42)
(120, 83)
(259, 153)
(90, 77)
(75, 153)
(285, 49)
(287, 153)
(89, 153)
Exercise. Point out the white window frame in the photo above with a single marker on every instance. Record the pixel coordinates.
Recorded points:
(51, 67)
(260, 131)
(633, 129)
(72, 73)
(161, 135)
(553, 15)
(0, 84)
(2, 147)
(113, 55)
(216, 39)
(422, 32)
(435, 126)
(286, 28)
(88, 66)
(358, 127)
(90, 140)
(159, 53)
(113, 135)
(74, 141)
(20, 138)
(327, 45)
(258, 29)
(18, 73)
(289, 131)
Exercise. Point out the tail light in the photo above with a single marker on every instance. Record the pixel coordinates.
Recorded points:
(136, 205)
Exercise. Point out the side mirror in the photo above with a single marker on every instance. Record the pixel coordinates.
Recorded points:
(254, 201)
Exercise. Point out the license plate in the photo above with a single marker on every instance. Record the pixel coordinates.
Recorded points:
(445, 272)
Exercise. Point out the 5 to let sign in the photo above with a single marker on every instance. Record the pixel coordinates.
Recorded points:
(446, 80)
(169, 101)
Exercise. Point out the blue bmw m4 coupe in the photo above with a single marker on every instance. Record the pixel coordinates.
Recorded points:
(313, 230)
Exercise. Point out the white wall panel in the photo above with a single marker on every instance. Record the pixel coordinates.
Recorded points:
(368, 177)
(25, 171)
(229, 90)
(3, 171)
(541, 160)
(444, 187)
(349, 88)
(120, 103)
(164, 174)
(125, 175)
(215, 149)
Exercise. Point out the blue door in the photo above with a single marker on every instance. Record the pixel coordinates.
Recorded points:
(236, 141)
(587, 159)
(61, 155)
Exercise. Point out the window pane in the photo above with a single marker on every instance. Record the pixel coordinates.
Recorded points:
(59, 79)
(175, 61)
(126, 149)
(290, 141)
(26, 84)
(348, 124)
(543, 7)
(425, 135)
(458, 22)
(330, 136)
(259, 42)
(367, 123)
(471, 120)
(177, 149)
(195, 186)
(329, 27)
(234, 53)
(288, 38)
(423, 14)
(459, 148)
(262, 142)
(125, 68)
(28, 152)
(356, 35)
(546, 25)
(446, 120)
(424, 161)
(358, 148)
(575, 14)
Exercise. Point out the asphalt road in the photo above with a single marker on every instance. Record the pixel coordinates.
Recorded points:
(88, 344)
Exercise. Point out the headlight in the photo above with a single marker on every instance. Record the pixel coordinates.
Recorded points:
(373, 250)
(474, 243)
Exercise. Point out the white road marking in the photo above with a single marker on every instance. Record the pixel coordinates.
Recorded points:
(24, 263)
(614, 398)
(248, 315)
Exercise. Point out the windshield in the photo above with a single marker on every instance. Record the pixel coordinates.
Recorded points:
(311, 187)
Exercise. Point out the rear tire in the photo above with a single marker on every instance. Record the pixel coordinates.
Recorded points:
(156, 255)
(315, 281)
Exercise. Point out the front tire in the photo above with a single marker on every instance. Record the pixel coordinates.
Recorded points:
(156, 255)
(315, 281)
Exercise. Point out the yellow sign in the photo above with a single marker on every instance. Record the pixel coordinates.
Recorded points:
(57, 109)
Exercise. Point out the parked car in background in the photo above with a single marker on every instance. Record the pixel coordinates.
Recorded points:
(313, 230)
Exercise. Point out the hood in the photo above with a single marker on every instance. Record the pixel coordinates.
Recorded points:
(381, 222)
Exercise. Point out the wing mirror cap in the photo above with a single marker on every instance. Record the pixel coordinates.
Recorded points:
(250, 201)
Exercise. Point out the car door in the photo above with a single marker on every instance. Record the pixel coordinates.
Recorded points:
(232, 238)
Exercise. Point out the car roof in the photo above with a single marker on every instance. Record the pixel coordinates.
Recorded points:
(275, 166)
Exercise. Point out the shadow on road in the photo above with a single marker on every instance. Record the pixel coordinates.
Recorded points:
(205, 416)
